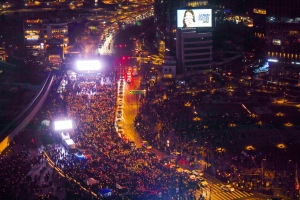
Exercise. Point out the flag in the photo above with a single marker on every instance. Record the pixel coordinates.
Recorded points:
(118, 186)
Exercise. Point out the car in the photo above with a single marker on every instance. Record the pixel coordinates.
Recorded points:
(135, 72)
(120, 106)
(146, 145)
(187, 171)
(119, 117)
(202, 181)
(197, 172)
(120, 103)
(122, 77)
(128, 79)
(227, 188)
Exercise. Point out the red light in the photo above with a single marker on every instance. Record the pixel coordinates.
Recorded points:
(123, 58)
(120, 45)
(128, 57)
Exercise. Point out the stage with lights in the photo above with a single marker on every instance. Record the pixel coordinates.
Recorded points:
(90, 69)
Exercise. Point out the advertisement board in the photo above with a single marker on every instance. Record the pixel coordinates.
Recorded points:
(194, 18)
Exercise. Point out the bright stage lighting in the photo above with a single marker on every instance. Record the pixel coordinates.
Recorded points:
(63, 125)
(88, 65)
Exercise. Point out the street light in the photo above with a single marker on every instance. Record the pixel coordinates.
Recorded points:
(262, 171)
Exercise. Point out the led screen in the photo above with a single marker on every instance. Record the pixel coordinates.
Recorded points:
(194, 18)
(88, 65)
(63, 125)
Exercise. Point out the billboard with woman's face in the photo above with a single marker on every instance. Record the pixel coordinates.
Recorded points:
(194, 18)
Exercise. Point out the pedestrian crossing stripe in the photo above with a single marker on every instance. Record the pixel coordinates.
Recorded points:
(218, 194)
(229, 196)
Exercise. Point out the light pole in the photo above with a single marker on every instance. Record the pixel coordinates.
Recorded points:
(210, 191)
(262, 171)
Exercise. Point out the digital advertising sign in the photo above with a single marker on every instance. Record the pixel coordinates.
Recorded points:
(194, 18)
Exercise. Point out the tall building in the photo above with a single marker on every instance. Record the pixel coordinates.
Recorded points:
(279, 23)
(194, 45)
(38, 31)
(194, 51)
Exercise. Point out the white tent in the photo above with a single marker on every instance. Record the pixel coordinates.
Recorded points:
(46, 122)
(70, 72)
(91, 181)
(71, 75)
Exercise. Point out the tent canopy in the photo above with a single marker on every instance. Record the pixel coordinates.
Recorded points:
(91, 181)
(45, 122)
(70, 72)
(105, 192)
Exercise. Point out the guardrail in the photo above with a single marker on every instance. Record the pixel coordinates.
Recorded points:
(23, 119)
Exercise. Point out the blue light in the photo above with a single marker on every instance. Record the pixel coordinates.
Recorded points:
(80, 156)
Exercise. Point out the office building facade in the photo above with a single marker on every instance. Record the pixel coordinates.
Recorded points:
(278, 22)
(38, 31)
(194, 51)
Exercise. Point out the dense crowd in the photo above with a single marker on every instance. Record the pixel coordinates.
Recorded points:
(23, 171)
(168, 125)
(129, 173)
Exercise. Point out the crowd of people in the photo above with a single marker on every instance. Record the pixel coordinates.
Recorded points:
(129, 173)
(162, 121)
(23, 170)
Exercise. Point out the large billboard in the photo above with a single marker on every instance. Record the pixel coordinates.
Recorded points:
(194, 18)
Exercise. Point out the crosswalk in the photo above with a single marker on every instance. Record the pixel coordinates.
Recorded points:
(216, 193)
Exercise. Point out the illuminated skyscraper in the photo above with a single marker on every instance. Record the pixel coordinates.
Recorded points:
(279, 23)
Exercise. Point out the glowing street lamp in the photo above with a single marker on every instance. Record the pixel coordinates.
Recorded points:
(250, 148)
(288, 124)
(280, 114)
(281, 146)
(196, 119)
